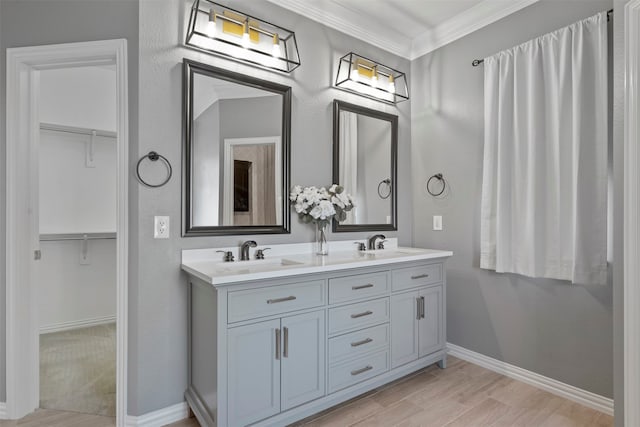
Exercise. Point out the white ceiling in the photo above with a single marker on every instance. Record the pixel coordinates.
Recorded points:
(409, 28)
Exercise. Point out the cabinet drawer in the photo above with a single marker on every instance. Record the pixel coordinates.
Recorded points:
(253, 303)
(412, 277)
(346, 374)
(358, 343)
(360, 315)
(358, 286)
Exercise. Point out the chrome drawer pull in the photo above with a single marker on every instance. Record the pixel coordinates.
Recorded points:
(419, 276)
(422, 307)
(273, 301)
(277, 343)
(368, 285)
(363, 342)
(366, 313)
(362, 370)
(418, 307)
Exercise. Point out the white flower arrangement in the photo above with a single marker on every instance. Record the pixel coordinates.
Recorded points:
(319, 205)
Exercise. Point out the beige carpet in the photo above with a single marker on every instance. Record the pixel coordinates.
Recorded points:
(78, 370)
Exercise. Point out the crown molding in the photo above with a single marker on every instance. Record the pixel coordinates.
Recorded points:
(472, 19)
(347, 21)
(338, 17)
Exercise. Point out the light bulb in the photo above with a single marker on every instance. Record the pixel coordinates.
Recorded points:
(355, 76)
(277, 53)
(374, 80)
(211, 25)
(245, 35)
(392, 85)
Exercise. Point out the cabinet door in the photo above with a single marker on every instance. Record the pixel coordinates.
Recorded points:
(253, 372)
(404, 328)
(303, 358)
(430, 324)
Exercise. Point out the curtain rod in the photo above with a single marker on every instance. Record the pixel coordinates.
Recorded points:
(477, 62)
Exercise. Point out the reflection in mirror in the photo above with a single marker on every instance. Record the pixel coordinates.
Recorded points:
(236, 153)
(365, 151)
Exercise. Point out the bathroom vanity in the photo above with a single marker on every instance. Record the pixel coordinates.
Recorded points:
(276, 340)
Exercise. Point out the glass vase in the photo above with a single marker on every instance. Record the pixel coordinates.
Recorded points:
(322, 246)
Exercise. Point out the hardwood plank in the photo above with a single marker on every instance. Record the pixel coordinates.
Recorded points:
(404, 389)
(484, 414)
(390, 416)
(348, 415)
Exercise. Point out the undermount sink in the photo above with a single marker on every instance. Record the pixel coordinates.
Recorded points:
(256, 265)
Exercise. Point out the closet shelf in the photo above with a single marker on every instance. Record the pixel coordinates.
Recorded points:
(76, 236)
(77, 130)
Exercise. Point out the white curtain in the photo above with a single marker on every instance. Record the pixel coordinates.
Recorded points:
(544, 190)
(348, 158)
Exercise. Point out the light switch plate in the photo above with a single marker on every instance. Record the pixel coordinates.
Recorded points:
(160, 227)
(437, 223)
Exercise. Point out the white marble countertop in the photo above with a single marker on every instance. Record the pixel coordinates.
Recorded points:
(294, 259)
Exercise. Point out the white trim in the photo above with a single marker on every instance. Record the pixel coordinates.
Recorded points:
(472, 19)
(161, 417)
(3, 411)
(22, 368)
(631, 215)
(583, 397)
(76, 324)
(338, 17)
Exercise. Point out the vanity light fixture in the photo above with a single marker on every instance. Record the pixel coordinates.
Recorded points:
(369, 78)
(217, 29)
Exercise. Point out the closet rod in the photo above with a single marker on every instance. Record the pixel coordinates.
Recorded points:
(477, 62)
(76, 236)
(77, 130)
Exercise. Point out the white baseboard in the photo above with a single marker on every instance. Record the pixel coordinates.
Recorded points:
(161, 417)
(583, 397)
(3, 411)
(76, 324)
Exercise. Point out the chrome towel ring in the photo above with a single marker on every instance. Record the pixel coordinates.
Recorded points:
(154, 157)
(441, 179)
(388, 183)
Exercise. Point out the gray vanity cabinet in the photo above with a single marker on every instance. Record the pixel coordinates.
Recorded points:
(269, 352)
(416, 324)
(254, 371)
(274, 366)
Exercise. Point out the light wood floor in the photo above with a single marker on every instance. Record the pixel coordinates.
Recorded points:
(463, 395)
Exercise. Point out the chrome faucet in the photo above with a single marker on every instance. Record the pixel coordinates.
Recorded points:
(244, 249)
(372, 240)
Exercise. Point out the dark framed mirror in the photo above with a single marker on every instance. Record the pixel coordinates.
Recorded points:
(365, 153)
(236, 145)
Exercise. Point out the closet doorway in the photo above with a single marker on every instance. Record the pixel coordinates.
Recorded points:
(75, 278)
(67, 229)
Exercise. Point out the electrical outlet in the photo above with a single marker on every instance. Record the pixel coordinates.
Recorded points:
(160, 227)
(437, 222)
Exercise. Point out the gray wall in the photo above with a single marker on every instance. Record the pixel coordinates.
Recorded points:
(251, 117)
(40, 22)
(374, 148)
(550, 327)
(207, 161)
(158, 313)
